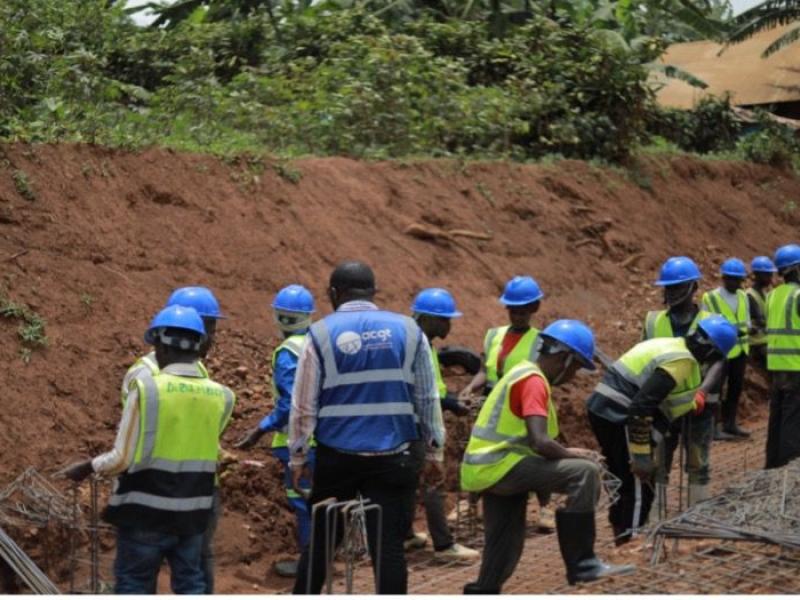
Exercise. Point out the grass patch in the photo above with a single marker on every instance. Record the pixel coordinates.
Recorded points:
(31, 330)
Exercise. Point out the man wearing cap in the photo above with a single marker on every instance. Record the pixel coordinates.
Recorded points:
(730, 301)
(166, 455)
(783, 360)
(292, 310)
(433, 309)
(513, 451)
(678, 277)
(641, 394)
(366, 391)
(763, 269)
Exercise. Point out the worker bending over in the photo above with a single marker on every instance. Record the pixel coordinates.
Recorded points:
(165, 454)
(783, 360)
(641, 394)
(762, 269)
(433, 310)
(292, 310)
(512, 451)
(730, 301)
(679, 276)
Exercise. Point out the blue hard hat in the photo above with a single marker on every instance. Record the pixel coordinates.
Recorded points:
(733, 267)
(575, 335)
(177, 317)
(721, 332)
(520, 291)
(199, 298)
(678, 269)
(436, 302)
(787, 256)
(294, 298)
(762, 264)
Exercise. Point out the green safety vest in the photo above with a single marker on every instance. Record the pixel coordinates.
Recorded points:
(760, 338)
(293, 344)
(493, 342)
(499, 438)
(169, 486)
(147, 363)
(658, 325)
(638, 364)
(441, 386)
(783, 328)
(716, 303)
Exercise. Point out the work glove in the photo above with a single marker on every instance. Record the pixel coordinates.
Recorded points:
(639, 428)
(700, 402)
(642, 466)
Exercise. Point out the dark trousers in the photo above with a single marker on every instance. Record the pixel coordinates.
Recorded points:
(733, 382)
(433, 500)
(783, 430)
(389, 481)
(207, 551)
(635, 496)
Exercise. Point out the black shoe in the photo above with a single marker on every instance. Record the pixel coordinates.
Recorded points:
(576, 535)
(737, 431)
(720, 435)
(286, 568)
(474, 588)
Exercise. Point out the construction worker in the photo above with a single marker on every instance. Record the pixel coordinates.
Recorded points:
(679, 276)
(762, 269)
(292, 308)
(205, 303)
(783, 360)
(512, 452)
(730, 301)
(365, 389)
(506, 346)
(433, 309)
(647, 388)
(165, 454)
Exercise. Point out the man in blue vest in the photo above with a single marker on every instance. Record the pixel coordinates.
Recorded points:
(366, 391)
(166, 455)
(292, 309)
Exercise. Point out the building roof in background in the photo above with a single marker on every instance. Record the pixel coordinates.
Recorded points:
(739, 70)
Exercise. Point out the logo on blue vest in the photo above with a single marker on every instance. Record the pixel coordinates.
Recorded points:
(350, 342)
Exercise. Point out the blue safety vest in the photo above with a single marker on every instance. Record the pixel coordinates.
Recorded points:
(367, 388)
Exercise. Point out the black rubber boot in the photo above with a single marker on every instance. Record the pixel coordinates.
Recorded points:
(729, 416)
(474, 588)
(576, 535)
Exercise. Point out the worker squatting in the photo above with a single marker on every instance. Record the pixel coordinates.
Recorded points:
(358, 411)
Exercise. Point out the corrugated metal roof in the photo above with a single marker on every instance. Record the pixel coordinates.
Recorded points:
(740, 70)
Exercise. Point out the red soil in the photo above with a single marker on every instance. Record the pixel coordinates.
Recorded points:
(109, 234)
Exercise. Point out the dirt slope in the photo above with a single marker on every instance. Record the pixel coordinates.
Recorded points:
(106, 235)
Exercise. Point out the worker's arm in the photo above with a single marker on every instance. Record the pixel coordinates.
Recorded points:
(283, 376)
(713, 377)
(640, 420)
(476, 383)
(305, 398)
(120, 457)
(426, 401)
(543, 444)
(757, 316)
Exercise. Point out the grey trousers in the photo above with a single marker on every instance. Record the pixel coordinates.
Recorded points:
(505, 506)
(207, 556)
(433, 498)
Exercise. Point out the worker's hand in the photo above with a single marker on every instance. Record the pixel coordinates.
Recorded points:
(77, 472)
(642, 466)
(587, 454)
(433, 473)
(466, 394)
(250, 440)
(700, 402)
(298, 474)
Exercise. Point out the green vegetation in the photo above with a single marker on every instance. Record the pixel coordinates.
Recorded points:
(23, 185)
(378, 79)
(31, 329)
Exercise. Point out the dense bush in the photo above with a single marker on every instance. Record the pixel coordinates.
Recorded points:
(771, 144)
(710, 127)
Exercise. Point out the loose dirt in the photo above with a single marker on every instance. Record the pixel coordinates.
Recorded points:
(108, 235)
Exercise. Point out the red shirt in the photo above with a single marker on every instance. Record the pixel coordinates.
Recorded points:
(529, 397)
(510, 340)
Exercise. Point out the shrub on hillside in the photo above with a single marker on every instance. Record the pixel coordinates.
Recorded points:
(773, 144)
(710, 127)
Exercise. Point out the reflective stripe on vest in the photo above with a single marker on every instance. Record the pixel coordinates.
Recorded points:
(760, 338)
(525, 349)
(638, 364)
(293, 344)
(170, 484)
(499, 438)
(657, 324)
(714, 301)
(366, 400)
(783, 328)
(148, 363)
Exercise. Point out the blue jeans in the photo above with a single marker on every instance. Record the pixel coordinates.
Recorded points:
(140, 554)
(298, 503)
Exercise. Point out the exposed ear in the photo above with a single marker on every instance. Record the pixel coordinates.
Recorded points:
(333, 296)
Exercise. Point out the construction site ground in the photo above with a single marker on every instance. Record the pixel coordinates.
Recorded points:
(95, 240)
